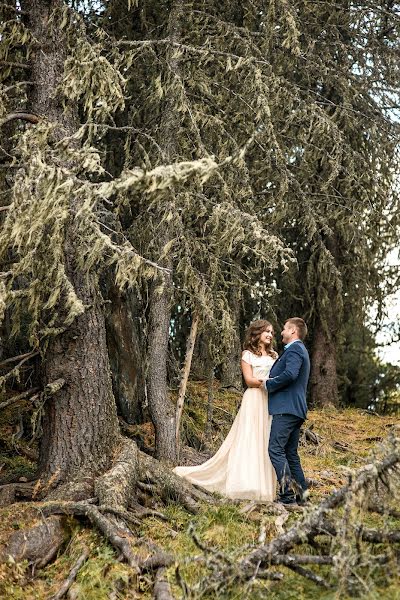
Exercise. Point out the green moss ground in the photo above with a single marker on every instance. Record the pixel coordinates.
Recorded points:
(225, 527)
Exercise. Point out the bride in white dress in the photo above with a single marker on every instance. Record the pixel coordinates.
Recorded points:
(241, 468)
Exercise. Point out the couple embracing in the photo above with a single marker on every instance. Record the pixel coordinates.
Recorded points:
(261, 447)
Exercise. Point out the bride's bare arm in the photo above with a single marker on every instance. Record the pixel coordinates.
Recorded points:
(251, 381)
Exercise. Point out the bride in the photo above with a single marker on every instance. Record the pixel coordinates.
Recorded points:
(241, 468)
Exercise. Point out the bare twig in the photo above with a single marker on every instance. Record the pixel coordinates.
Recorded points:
(23, 116)
(27, 355)
(18, 65)
(18, 397)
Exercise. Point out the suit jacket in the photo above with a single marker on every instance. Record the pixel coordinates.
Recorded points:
(287, 386)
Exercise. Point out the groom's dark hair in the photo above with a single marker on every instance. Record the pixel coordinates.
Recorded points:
(300, 325)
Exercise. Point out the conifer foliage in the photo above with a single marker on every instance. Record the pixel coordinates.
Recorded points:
(192, 153)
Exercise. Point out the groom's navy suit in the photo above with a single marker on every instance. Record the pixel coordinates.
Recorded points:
(287, 387)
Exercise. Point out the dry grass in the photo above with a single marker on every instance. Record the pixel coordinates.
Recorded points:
(226, 527)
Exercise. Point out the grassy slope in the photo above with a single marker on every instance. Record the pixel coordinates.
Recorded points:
(224, 527)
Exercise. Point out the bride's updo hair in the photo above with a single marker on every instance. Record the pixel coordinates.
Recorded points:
(252, 338)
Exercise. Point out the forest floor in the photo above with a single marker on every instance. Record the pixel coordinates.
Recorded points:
(346, 439)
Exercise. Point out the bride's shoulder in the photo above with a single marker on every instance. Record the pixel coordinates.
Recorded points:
(248, 356)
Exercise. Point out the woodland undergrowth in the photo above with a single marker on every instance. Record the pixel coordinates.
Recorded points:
(213, 553)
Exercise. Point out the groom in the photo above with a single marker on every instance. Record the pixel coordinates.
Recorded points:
(286, 386)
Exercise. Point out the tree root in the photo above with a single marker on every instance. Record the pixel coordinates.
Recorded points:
(38, 545)
(114, 503)
(170, 486)
(72, 576)
(10, 492)
(93, 513)
(116, 486)
(162, 590)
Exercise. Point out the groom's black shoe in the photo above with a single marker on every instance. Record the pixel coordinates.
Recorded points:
(286, 500)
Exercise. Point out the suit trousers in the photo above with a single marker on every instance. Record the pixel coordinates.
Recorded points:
(282, 449)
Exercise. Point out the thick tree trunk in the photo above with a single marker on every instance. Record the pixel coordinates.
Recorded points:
(323, 379)
(80, 429)
(161, 410)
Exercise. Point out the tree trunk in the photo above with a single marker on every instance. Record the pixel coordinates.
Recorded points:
(210, 407)
(80, 429)
(126, 355)
(231, 374)
(185, 375)
(161, 410)
(323, 379)
(201, 357)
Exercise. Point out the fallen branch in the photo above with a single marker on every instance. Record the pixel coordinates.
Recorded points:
(301, 559)
(72, 576)
(309, 575)
(313, 520)
(314, 523)
(385, 511)
(311, 437)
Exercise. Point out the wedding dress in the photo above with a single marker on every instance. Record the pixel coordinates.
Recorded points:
(241, 468)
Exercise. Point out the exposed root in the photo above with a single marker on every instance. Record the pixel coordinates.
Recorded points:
(157, 561)
(154, 477)
(108, 529)
(116, 487)
(72, 576)
(126, 516)
(38, 545)
(162, 590)
(11, 492)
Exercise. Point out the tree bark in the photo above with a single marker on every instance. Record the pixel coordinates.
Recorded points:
(323, 380)
(161, 410)
(185, 374)
(80, 429)
(127, 357)
(210, 406)
(231, 375)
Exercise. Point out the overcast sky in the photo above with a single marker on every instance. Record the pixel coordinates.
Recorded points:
(391, 353)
